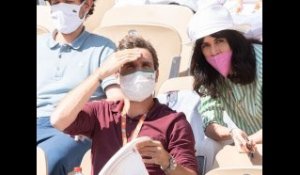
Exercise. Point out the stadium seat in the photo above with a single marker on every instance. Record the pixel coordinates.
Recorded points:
(229, 157)
(164, 39)
(171, 15)
(94, 20)
(41, 162)
(41, 30)
(176, 84)
(44, 23)
(247, 170)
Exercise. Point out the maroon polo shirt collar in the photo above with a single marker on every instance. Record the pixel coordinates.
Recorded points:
(118, 106)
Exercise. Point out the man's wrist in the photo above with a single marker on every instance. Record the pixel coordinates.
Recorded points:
(99, 75)
(171, 165)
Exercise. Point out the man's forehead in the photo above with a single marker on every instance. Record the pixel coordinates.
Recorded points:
(145, 56)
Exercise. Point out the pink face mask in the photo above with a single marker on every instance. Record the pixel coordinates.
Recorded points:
(221, 62)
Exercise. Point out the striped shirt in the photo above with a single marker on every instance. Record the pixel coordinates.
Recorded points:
(243, 103)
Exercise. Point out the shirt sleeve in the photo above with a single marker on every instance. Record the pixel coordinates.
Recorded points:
(103, 48)
(211, 111)
(182, 143)
(259, 63)
(110, 49)
(259, 81)
(86, 120)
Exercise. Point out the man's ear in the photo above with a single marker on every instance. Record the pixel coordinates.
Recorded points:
(156, 75)
(87, 5)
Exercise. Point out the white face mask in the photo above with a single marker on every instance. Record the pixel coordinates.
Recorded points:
(65, 17)
(138, 86)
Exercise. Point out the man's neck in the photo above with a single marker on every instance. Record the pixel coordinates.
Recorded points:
(134, 109)
(68, 38)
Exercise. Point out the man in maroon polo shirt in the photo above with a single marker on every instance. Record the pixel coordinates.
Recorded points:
(111, 124)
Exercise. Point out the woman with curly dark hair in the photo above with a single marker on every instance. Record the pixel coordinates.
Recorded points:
(227, 71)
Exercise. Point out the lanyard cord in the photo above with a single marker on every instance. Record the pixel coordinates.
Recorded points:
(135, 131)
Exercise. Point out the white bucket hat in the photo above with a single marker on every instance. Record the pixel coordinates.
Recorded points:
(211, 19)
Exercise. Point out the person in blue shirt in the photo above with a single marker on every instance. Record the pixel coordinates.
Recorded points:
(65, 58)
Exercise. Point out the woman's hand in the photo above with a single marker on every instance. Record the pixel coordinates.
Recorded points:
(241, 141)
(257, 137)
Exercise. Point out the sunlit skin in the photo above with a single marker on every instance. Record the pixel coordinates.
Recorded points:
(143, 63)
(213, 46)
